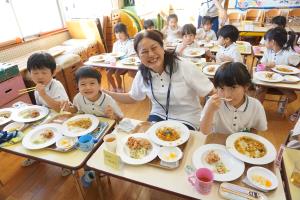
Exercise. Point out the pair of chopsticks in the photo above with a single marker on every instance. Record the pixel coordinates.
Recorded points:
(26, 90)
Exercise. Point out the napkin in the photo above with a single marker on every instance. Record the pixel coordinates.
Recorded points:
(11, 138)
(293, 144)
(126, 125)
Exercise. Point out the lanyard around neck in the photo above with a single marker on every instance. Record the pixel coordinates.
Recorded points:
(166, 109)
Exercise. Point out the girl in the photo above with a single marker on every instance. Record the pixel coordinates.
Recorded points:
(206, 33)
(172, 30)
(188, 38)
(279, 52)
(124, 45)
(230, 110)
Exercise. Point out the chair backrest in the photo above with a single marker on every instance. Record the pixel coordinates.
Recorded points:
(294, 17)
(294, 13)
(235, 18)
(254, 15)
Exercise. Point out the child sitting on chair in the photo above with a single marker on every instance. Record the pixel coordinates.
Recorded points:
(188, 38)
(172, 30)
(206, 33)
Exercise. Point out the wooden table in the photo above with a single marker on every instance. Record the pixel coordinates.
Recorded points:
(72, 160)
(290, 156)
(119, 65)
(260, 30)
(172, 181)
(289, 86)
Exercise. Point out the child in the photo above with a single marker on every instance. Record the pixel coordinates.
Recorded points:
(172, 30)
(149, 25)
(49, 92)
(188, 38)
(227, 36)
(279, 52)
(90, 99)
(124, 45)
(230, 110)
(278, 21)
(206, 33)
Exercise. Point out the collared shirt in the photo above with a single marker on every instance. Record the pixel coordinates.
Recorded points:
(172, 35)
(279, 58)
(55, 90)
(203, 35)
(97, 107)
(124, 47)
(187, 84)
(296, 130)
(192, 45)
(231, 51)
(208, 8)
(229, 119)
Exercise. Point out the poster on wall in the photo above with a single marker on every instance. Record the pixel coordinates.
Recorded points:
(266, 4)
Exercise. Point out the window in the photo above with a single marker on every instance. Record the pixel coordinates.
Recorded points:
(27, 18)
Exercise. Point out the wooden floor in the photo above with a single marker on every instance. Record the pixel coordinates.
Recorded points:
(41, 181)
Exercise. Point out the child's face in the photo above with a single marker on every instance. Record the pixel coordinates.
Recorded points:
(236, 93)
(207, 26)
(150, 28)
(89, 88)
(269, 44)
(173, 23)
(224, 41)
(121, 36)
(188, 39)
(42, 76)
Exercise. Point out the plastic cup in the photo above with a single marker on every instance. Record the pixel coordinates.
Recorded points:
(110, 142)
(261, 67)
(202, 180)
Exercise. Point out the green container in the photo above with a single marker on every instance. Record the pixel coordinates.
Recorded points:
(8, 71)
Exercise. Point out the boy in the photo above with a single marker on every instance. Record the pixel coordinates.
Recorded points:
(227, 36)
(206, 33)
(90, 99)
(149, 25)
(49, 92)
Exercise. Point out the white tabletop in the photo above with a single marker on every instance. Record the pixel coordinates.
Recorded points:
(173, 181)
(118, 65)
(290, 86)
(74, 159)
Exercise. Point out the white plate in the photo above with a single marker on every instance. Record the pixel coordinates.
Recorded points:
(117, 54)
(4, 120)
(97, 58)
(182, 129)
(262, 76)
(123, 151)
(14, 126)
(291, 79)
(75, 132)
(66, 142)
(17, 116)
(270, 154)
(193, 52)
(205, 69)
(57, 129)
(130, 61)
(170, 154)
(235, 166)
(265, 173)
(294, 69)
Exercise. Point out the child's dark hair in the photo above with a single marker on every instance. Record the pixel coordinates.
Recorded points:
(120, 28)
(40, 61)
(172, 16)
(206, 20)
(87, 72)
(232, 73)
(148, 23)
(229, 31)
(279, 21)
(188, 29)
(280, 36)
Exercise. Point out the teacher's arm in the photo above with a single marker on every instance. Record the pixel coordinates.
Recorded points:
(222, 11)
(121, 97)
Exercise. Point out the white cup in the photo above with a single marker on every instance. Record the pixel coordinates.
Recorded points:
(110, 142)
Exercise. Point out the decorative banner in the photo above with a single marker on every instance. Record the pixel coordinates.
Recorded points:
(262, 4)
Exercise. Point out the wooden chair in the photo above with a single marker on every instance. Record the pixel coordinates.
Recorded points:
(255, 15)
(270, 14)
(294, 17)
(294, 13)
(235, 18)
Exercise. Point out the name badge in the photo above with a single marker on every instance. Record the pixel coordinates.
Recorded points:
(112, 159)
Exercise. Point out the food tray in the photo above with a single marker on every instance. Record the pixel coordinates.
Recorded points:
(142, 128)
